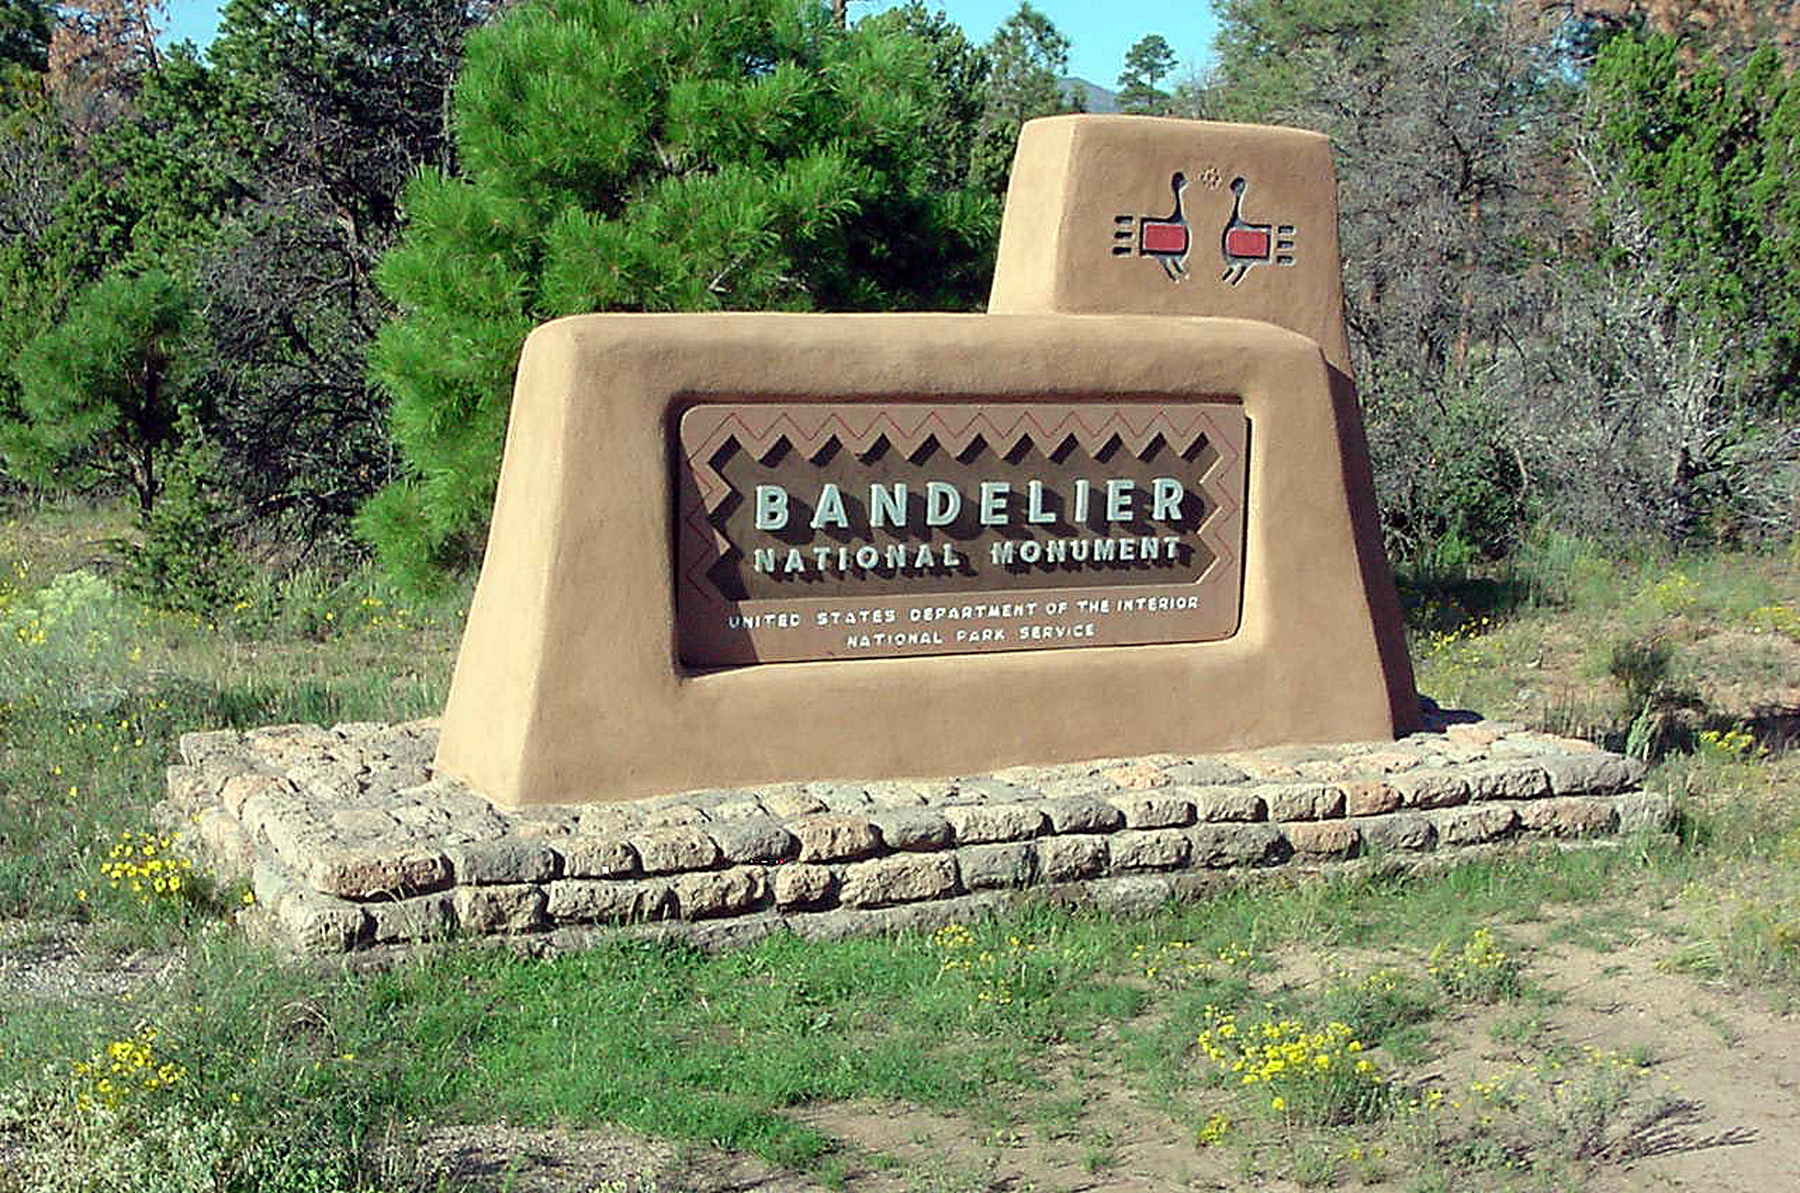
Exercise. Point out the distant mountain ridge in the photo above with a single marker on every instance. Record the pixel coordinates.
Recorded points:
(1093, 98)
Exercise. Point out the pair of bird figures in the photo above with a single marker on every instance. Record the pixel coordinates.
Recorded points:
(1242, 244)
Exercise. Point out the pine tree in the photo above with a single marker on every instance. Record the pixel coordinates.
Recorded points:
(100, 392)
(658, 156)
(1147, 63)
(1030, 56)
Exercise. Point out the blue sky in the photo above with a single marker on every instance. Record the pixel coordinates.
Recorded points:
(1102, 30)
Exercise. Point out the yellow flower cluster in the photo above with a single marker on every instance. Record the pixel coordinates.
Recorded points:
(146, 865)
(125, 1069)
(1776, 619)
(1735, 743)
(378, 614)
(1384, 981)
(1213, 1131)
(1319, 1075)
(1454, 642)
(953, 939)
(1173, 961)
(1674, 593)
(1480, 970)
(995, 973)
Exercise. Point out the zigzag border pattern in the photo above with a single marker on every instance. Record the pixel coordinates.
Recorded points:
(810, 427)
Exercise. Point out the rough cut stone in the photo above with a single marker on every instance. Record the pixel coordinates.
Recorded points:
(1478, 733)
(904, 878)
(1645, 811)
(231, 851)
(674, 850)
(1591, 774)
(1153, 811)
(1219, 845)
(1507, 780)
(977, 824)
(1079, 815)
(803, 886)
(1026, 776)
(274, 810)
(197, 747)
(834, 837)
(1475, 824)
(1301, 801)
(601, 901)
(1402, 830)
(1137, 776)
(493, 910)
(982, 789)
(1369, 797)
(1090, 786)
(896, 793)
(1430, 788)
(1569, 816)
(1148, 849)
(1457, 754)
(270, 882)
(335, 783)
(1213, 804)
(843, 797)
(928, 791)
(483, 863)
(753, 840)
(912, 830)
(608, 820)
(673, 815)
(788, 804)
(1068, 859)
(424, 917)
(725, 892)
(374, 875)
(538, 828)
(239, 788)
(1133, 895)
(597, 857)
(424, 817)
(1389, 761)
(1323, 838)
(317, 925)
(906, 917)
(189, 787)
(990, 867)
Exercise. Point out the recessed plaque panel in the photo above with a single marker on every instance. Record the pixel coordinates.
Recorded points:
(868, 530)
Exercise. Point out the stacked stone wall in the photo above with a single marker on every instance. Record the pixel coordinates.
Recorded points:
(351, 843)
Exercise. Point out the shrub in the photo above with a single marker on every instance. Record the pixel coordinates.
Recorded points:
(1480, 971)
(1311, 1077)
(187, 561)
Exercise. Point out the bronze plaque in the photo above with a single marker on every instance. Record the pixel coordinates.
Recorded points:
(865, 530)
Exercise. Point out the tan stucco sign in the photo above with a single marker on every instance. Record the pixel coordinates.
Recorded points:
(1127, 511)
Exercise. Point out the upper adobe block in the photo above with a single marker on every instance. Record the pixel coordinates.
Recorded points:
(1112, 215)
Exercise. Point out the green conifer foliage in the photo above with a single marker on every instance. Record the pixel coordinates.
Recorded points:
(662, 156)
(1711, 156)
(1147, 63)
(100, 391)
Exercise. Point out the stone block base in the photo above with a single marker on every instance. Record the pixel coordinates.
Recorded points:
(352, 844)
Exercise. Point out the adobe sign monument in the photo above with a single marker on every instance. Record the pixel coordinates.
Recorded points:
(1127, 511)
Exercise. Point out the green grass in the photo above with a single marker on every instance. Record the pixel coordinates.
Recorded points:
(320, 1079)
